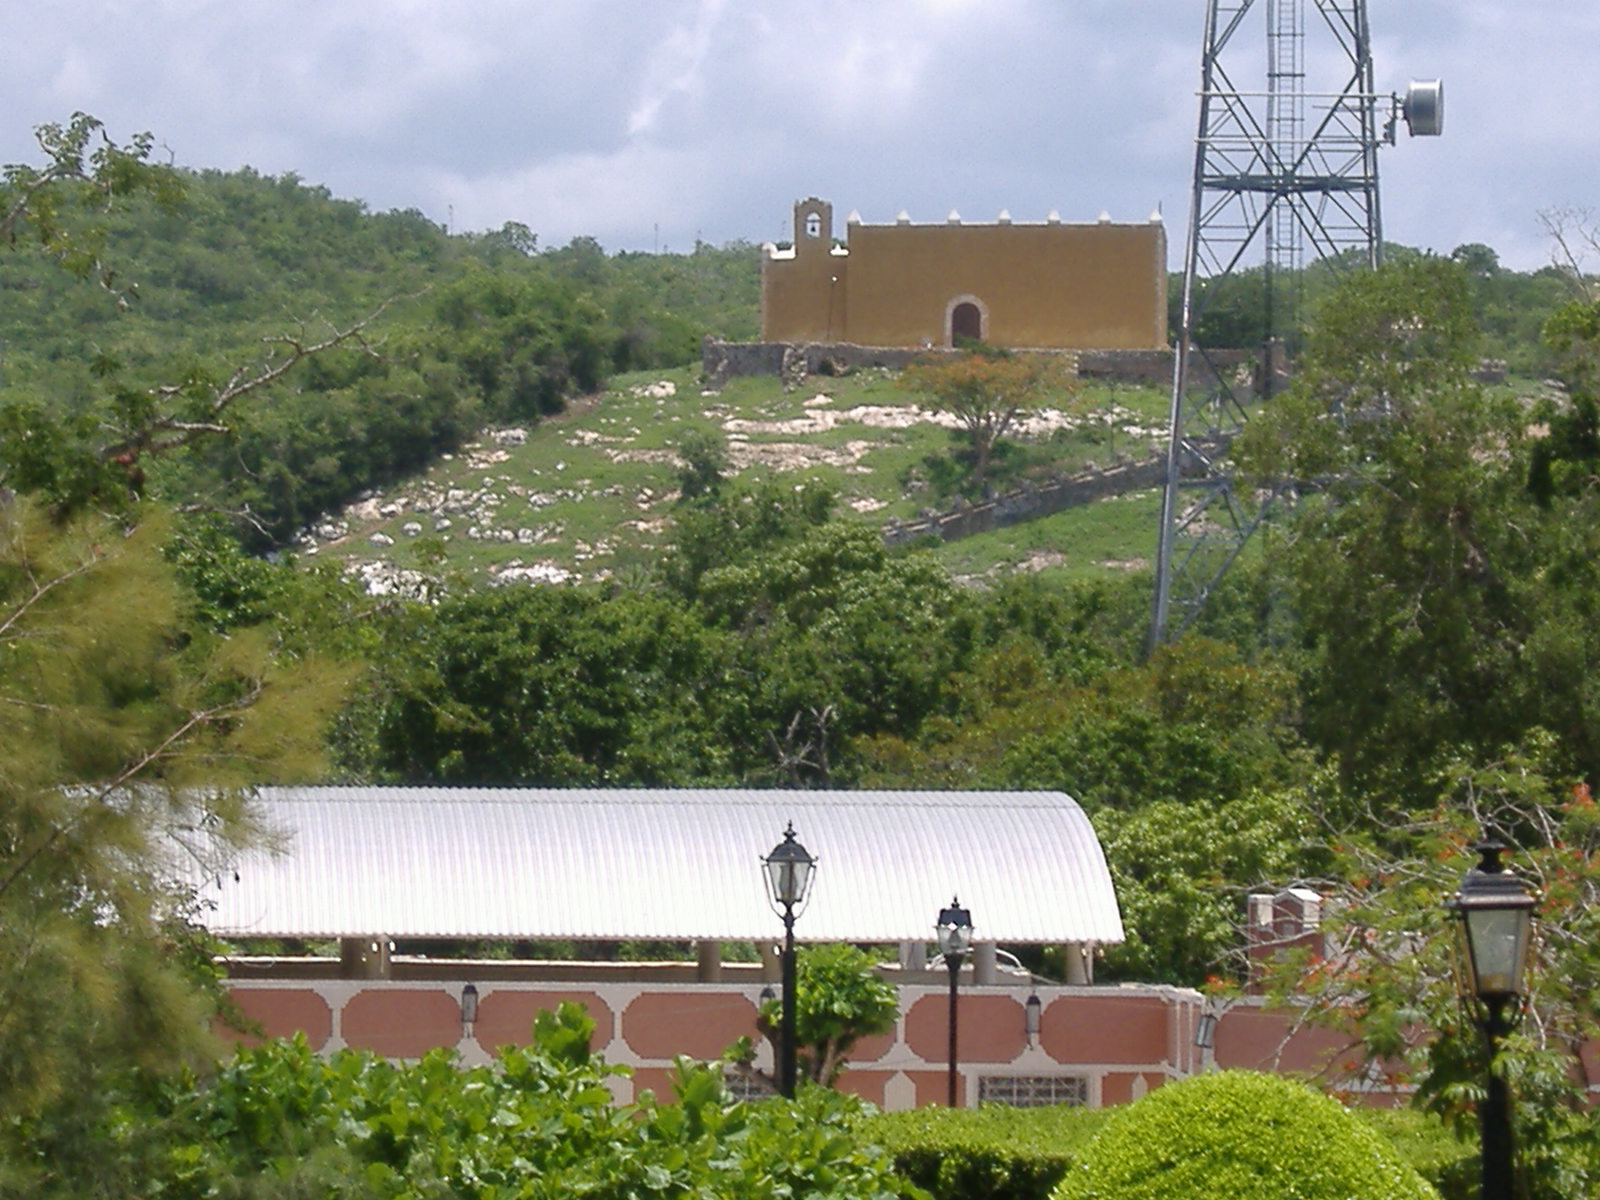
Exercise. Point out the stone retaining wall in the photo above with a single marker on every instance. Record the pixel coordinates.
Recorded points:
(1027, 503)
(721, 361)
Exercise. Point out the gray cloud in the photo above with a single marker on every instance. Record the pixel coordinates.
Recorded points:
(645, 122)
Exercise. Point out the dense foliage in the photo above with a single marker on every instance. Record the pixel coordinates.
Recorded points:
(990, 1153)
(1001, 1153)
(221, 277)
(124, 731)
(840, 998)
(1242, 1135)
(541, 1122)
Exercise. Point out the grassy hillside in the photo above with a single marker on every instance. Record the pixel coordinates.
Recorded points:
(590, 494)
(463, 332)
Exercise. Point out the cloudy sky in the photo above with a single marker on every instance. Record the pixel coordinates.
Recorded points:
(649, 123)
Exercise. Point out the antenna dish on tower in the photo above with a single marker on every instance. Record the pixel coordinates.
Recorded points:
(1423, 107)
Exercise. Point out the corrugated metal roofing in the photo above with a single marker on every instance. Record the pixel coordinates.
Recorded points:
(669, 864)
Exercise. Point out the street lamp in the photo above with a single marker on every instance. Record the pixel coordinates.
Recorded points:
(1495, 911)
(789, 872)
(955, 939)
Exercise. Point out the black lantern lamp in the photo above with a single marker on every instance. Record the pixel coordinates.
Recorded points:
(469, 1009)
(954, 932)
(1495, 911)
(790, 870)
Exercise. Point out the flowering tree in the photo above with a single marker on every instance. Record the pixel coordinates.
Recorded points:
(1389, 974)
(988, 392)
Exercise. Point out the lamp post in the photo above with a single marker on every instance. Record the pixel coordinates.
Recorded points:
(789, 872)
(1495, 911)
(955, 939)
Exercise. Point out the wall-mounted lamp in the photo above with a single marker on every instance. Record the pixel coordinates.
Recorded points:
(1205, 1030)
(1031, 1011)
(469, 1009)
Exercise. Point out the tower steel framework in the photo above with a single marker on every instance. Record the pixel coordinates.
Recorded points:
(1289, 168)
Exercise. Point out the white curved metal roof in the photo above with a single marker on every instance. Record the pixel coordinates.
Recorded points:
(677, 864)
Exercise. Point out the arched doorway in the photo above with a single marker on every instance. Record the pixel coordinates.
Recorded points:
(966, 321)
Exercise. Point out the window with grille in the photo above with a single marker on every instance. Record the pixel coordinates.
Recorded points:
(743, 1085)
(1033, 1091)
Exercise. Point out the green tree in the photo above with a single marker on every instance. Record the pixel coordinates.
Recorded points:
(126, 738)
(705, 464)
(1409, 562)
(988, 392)
(1182, 872)
(550, 686)
(129, 730)
(726, 524)
(1196, 724)
(839, 999)
(1190, 767)
(84, 171)
(835, 626)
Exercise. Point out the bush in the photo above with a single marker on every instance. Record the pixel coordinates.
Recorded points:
(995, 1152)
(281, 1121)
(1429, 1145)
(1242, 1135)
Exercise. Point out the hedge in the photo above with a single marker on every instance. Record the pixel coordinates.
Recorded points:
(1241, 1135)
(992, 1153)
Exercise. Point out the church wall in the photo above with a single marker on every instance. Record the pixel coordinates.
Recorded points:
(1041, 286)
(1038, 286)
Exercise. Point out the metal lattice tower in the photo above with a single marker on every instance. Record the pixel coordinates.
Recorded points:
(1289, 167)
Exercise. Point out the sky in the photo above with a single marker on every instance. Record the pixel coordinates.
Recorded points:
(649, 124)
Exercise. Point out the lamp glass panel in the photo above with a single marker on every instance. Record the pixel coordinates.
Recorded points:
(955, 939)
(787, 877)
(1497, 941)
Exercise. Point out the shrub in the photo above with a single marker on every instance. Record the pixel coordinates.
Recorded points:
(1242, 1135)
(992, 1152)
(280, 1121)
(1429, 1145)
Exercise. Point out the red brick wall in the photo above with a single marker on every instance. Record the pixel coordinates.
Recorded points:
(1112, 1037)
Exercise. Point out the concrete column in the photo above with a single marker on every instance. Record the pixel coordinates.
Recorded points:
(914, 956)
(708, 961)
(984, 964)
(364, 957)
(1078, 963)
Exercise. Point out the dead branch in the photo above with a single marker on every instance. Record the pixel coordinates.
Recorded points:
(170, 430)
(1575, 239)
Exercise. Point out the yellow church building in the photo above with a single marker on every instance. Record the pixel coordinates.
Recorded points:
(1050, 285)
